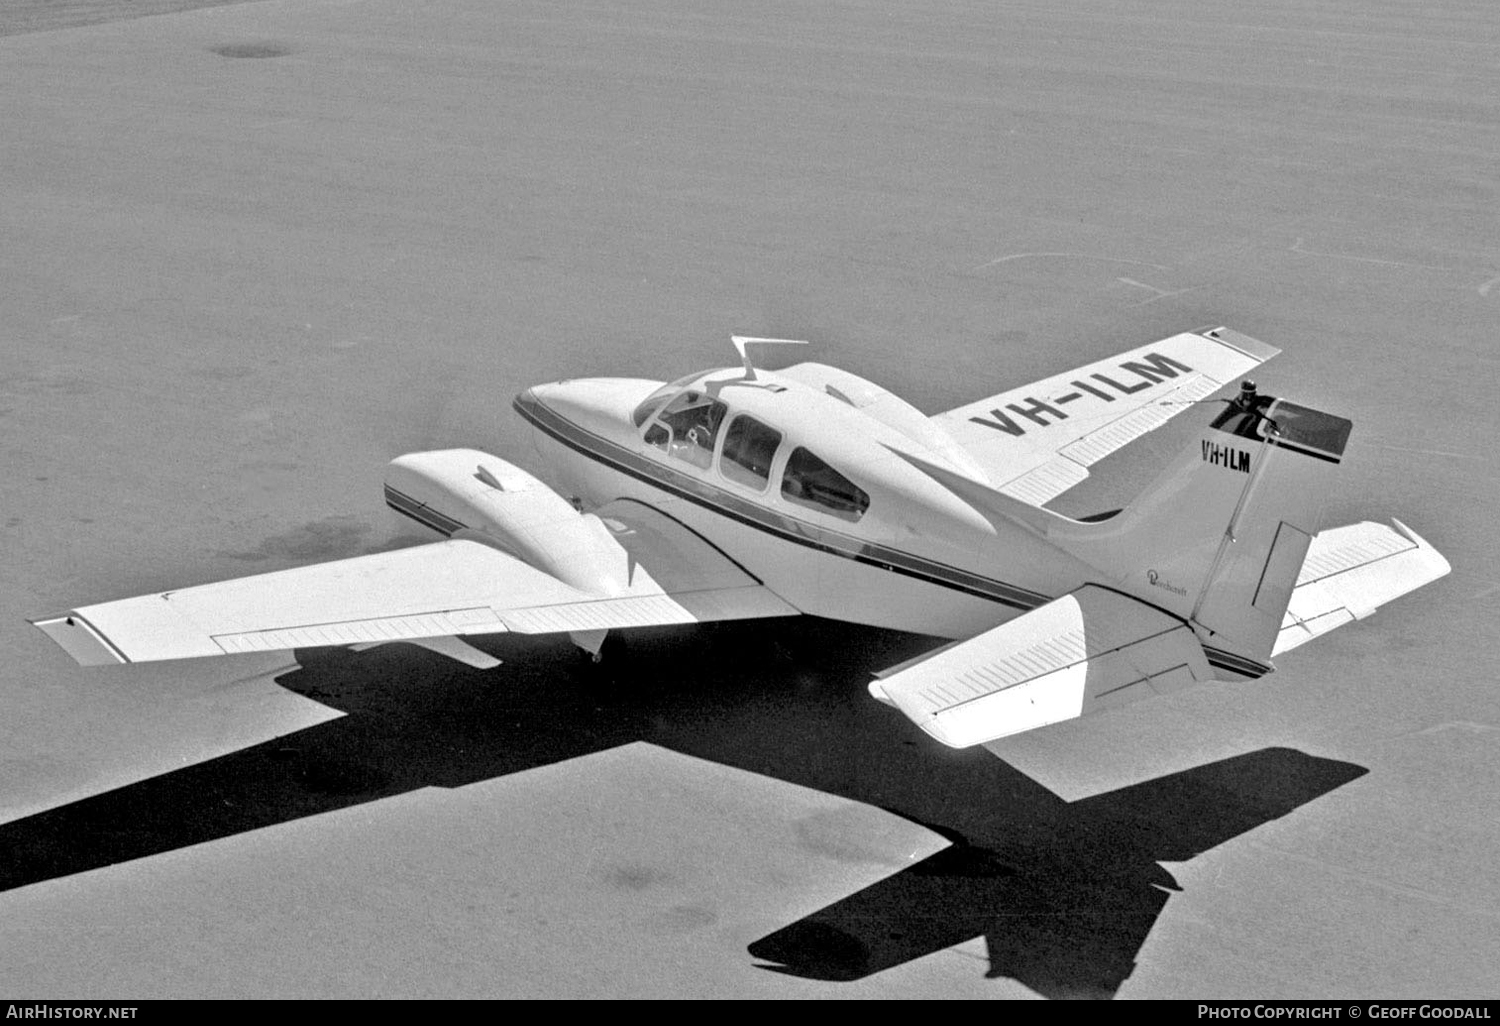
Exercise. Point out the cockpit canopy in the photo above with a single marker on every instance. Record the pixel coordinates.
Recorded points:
(692, 426)
(649, 405)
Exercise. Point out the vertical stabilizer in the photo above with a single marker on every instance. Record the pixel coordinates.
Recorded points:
(1220, 536)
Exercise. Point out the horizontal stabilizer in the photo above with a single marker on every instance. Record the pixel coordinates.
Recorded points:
(1351, 571)
(1086, 651)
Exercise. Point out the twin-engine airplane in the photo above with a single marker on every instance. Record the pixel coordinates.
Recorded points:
(742, 493)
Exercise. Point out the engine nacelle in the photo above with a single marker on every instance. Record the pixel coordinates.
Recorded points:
(466, 493)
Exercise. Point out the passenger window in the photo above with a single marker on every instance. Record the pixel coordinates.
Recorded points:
(686, 429)
(749, 448)
(808, 481)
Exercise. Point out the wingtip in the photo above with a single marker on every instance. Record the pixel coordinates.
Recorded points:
(1438, 561)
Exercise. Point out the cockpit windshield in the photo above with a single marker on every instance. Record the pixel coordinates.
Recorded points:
(650, 404)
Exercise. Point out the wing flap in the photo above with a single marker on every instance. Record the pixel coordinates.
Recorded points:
(1351, 571)
(443, 623)
(1086, 651)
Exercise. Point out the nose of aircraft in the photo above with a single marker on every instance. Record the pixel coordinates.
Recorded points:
(600, 405)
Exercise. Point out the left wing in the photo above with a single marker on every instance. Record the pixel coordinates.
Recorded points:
(1037, 441)
(1088, 650)
(453, 587)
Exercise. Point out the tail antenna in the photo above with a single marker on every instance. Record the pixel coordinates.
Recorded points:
(740, 341)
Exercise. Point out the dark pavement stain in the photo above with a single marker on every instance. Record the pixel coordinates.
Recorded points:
(252, 49)
(636, 877)
(330, 538)
(221, 373)
(287, 466)
(52, 382)
(680, 919)
(46, 15)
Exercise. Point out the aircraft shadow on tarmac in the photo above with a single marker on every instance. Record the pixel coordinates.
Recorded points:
(1064, 894)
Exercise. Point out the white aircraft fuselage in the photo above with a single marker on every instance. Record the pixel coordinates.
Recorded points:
(914, 558)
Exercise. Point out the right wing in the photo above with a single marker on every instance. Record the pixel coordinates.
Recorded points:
(1037, 441)
(1088, 650)
(1351, 571)
(453, 587)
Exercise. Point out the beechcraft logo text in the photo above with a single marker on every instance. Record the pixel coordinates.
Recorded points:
(1156, 582)
(1226, 456)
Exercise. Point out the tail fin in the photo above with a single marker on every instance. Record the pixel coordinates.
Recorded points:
(1219, 538)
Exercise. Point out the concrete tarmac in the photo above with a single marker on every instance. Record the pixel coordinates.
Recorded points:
(252, 252)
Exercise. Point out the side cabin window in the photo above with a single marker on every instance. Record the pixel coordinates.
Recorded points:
(749, 448)
(808, 481)
(687, 427)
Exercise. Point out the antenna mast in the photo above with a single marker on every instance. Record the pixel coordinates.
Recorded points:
(740, 341)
